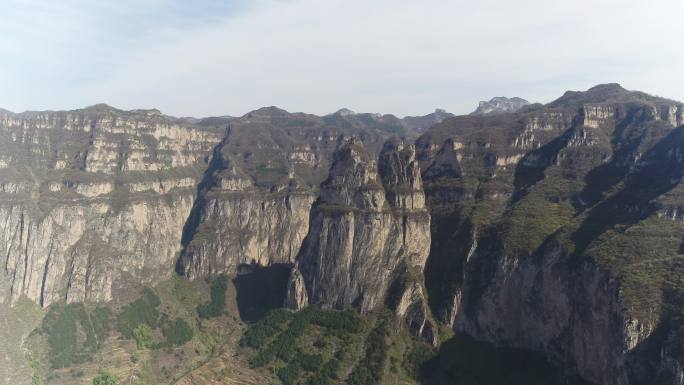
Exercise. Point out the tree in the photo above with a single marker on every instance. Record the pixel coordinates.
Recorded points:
(143, 336)
(104, 378)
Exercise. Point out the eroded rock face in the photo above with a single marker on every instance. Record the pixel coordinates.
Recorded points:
(369, 229)
(247, 228)
(92, 198)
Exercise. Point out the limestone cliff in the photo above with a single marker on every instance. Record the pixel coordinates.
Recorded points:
(92, 198)
(369, 235)
(254, 202)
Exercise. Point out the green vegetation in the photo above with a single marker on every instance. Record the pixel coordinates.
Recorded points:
(288, 374)
(647, 258)
(260, 332)
(532, 220)
(100, 318)
(302, 347)
(105, 378)
(369, 370)
(139, 319)
(217, 305)
(142, 311)
(416, 357)
(143, 336)
(177, 332)
(74, 334)
(36, 377)
(347, 321)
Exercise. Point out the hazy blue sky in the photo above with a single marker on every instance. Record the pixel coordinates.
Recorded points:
(204, 57)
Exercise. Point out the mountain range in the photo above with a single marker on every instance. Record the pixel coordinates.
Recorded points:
(555, 230)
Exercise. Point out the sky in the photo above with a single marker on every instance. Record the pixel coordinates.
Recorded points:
(209, 57)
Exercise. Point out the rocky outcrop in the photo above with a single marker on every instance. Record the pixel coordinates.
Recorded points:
(296, 297)
(369, 229)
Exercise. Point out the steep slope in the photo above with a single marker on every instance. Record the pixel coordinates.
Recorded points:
(368, 239)
(93, 197)
(255, 199)
(545, 226)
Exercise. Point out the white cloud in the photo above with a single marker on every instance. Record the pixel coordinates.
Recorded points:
(399, 56)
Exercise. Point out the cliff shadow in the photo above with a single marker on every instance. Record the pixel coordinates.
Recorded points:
(452, 238)
(532, 167)
(260, 289)
(659, 173)
(215, 163)
(462, 360)
(645, 361)
(626, 141)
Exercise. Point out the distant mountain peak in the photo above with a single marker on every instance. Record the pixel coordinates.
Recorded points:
(271, 111)
(597, 94)
(499, 105)
(604, 93)
(344, 112)
(101, 107)
(608, 87)
(148, 112)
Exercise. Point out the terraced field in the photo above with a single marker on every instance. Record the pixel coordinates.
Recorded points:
(15, 325)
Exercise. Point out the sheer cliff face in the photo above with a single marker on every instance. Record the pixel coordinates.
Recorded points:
(556, 229)
(369, 236)
(91, 198)
(255, 200)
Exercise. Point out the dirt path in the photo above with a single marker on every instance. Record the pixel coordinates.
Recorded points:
(227, 367)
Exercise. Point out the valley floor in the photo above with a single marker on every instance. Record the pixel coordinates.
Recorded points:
(310, 347)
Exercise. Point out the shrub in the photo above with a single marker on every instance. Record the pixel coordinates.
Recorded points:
(288, 374)
(142, 311)
(177, 332)
(217, 304)
(278, 335)
(416, 357)
(143, 336)
(100, 318)
(346, 321)
(260, 332)
(105, 378)
(309, 362)
(369, 370)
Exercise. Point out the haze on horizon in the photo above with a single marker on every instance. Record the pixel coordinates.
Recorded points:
(212, 57)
